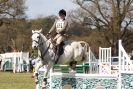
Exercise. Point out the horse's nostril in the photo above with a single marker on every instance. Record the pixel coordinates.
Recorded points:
(35, 47)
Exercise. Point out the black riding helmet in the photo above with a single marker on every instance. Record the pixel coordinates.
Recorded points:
(62, 12)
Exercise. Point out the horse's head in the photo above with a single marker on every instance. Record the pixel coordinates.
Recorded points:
(36, 36)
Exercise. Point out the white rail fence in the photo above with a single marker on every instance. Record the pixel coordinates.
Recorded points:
(18, 61)
(93, 63)
(105, 60)
(124, 60)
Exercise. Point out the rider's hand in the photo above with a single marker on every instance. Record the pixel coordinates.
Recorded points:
(47, 34)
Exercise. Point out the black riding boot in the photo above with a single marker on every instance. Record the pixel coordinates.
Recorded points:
(57, 53)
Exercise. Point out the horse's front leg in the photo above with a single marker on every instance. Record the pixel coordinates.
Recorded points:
(49, 66)
(38, 65)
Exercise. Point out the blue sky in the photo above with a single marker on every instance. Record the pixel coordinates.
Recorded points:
(47, 7)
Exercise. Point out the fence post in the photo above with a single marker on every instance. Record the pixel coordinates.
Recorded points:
(50, 78)
(119, 73)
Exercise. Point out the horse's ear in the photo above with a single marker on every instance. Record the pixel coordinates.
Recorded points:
(40, 30)
(32, 31)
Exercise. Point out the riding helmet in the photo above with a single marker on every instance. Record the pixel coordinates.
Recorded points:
(62, 12)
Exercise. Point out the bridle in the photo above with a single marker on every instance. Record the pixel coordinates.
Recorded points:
(38, 40)
(41, 43)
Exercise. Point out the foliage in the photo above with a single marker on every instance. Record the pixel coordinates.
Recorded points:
(114, 18)
(19, 33)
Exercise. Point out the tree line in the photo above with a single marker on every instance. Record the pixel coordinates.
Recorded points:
(99, 22)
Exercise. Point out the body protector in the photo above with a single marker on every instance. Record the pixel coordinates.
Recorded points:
(59, 26)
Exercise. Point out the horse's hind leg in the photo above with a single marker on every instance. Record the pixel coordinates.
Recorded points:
(73, 66)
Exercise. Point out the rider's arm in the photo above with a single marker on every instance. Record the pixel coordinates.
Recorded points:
(64, 27)
(53, 27)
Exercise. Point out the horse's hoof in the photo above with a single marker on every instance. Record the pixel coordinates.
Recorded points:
(36, 81)
(32, 76)
(45, 80)
(43, 87)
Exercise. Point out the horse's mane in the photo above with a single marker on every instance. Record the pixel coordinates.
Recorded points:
(44, 38)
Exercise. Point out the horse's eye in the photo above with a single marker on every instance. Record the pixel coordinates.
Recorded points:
(38, 37)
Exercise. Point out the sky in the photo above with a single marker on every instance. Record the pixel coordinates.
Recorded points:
(36, 8)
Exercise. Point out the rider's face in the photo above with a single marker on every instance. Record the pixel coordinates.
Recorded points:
(62, 16)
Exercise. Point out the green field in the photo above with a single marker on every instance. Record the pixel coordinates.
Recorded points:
(10, 80)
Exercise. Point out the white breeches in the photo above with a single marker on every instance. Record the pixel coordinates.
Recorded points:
(58, 38)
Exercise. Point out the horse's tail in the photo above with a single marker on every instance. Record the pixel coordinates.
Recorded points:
(86, 49)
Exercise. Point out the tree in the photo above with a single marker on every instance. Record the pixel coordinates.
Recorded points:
(43, 22)
(114, 18)
(11, 12)
(14, 9)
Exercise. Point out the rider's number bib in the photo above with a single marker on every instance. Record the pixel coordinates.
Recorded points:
(59, 25)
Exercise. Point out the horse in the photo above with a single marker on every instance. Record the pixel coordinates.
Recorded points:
(74, 51)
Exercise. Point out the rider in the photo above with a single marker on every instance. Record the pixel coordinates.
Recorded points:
(60, 27)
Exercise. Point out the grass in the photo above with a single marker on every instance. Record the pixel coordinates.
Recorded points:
(10, 80)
